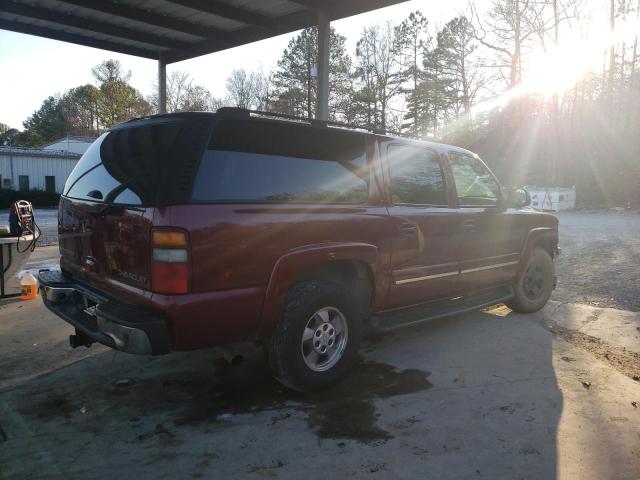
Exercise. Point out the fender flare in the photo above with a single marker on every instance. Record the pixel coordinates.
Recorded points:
(534, 236)
(289, 266)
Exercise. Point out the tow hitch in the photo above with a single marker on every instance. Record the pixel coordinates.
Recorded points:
(80, 340)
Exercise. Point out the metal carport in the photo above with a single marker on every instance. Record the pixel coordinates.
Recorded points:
(174, 30)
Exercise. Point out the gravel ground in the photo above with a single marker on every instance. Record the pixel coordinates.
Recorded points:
(600, 260)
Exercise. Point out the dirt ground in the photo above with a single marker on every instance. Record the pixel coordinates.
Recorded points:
(600, 260)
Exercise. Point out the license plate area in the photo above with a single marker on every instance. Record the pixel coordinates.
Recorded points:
(90, 306)
(89, 302)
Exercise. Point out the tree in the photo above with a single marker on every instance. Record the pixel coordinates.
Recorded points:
(505, 30)
(196, 99)
(296, 88)
(118, 101)
(183, 95)
(45, 124)
(379, 69)
(8, 135)
(295, 84)
(436, 89)
(244, 89)
(457, 44)
(178, 86)
(80, 109)
(414, 39)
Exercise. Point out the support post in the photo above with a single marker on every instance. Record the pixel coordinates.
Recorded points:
(324, 28)
(162, 84)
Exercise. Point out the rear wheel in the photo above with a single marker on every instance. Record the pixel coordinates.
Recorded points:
(317, 338)
(533, 288)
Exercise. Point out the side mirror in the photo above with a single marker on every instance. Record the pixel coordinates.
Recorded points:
(518, 198)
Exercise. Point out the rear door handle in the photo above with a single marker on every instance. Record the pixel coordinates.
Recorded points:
(469, 226)
(408, 229)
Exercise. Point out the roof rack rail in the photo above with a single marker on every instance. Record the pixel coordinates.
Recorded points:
(237, 112)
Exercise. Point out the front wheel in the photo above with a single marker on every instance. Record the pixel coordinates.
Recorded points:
(533, 288)
(317, 338)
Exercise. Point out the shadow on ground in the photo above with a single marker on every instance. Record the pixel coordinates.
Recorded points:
(475, 395)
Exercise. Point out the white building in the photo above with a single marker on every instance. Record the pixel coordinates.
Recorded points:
(35, 168)
(71, 143)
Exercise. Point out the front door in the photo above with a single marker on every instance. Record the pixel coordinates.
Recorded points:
(489, 238)
(423, 260)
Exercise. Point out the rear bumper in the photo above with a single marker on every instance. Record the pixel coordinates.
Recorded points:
(104, 320)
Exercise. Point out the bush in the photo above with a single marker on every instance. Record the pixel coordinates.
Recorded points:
(39, 198)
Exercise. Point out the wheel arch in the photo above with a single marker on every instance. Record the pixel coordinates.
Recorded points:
(545, 237)
(340, 262)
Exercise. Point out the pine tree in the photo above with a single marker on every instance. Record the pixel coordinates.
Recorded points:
(457, 44)
(294, 80)
(413, 38)
(45, 124)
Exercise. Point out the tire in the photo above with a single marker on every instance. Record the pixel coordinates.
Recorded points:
(309, 304)
(533, 288)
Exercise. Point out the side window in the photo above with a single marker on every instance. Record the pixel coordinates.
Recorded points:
(416, 176)
(268, 162)
(89, 160)
(475, 185)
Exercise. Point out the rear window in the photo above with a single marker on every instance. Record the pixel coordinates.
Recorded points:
(256, 162)
(151, 162)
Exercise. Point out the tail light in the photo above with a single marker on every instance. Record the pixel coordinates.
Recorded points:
(170, 261)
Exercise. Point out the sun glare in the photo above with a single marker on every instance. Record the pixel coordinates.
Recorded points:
(558, 69)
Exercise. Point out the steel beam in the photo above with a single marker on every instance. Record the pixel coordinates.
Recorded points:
(315, 5)
(162, 84)
(76, 39)
(148, 17)
(61, 18)
(336, 10)
(227, 10)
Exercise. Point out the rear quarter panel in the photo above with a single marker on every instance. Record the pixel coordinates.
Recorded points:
(235, 248)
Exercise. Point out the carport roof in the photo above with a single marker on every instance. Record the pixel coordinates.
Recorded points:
(172, 29)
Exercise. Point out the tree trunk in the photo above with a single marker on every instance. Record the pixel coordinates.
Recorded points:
(516, 60)
(612, 56)
(555, 106)
(556, 22)
(620, 107)
(632, 72)
(309, 80)
(415, 87)
(466, 102)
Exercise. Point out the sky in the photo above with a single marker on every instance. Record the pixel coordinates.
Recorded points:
(33, 68)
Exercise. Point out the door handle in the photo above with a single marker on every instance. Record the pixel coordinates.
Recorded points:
(408, 230)
(469, 226)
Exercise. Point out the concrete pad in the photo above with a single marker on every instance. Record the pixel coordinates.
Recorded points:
(475, 396)
(615, 327)
(43, 258)
(32, 342)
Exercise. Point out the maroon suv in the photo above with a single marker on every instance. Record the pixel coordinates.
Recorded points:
(193, 230)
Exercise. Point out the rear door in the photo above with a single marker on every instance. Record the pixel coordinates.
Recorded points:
(423, 260)
(110, 199)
